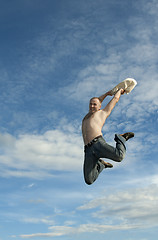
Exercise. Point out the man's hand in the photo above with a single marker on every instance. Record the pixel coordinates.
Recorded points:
(110, 93)
(119, 93)
(122, 91)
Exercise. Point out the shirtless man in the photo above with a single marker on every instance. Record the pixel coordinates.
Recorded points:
(95, 145)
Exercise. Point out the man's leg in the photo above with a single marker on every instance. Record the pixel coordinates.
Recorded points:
(93, 166)
(104, 150)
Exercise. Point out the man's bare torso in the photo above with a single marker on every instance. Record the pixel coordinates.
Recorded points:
(92, 125)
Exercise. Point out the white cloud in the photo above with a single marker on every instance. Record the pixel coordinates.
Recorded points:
(36, 155)
(45, 220)
(134, 206)
(31, 185)
(84, 228)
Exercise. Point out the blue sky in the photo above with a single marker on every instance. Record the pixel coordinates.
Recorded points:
(55, 56)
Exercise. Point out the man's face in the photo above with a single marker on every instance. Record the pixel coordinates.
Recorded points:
(94, 105)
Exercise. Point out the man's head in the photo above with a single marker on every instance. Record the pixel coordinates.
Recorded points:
(94, 104)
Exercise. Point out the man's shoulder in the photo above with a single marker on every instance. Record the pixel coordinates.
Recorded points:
(102, 114)
(101, 111)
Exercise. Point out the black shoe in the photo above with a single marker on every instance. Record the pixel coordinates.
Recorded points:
(127, 135)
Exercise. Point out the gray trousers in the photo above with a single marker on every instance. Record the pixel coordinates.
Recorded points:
(100, 149)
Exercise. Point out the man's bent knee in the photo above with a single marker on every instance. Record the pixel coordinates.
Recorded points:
(89, 179)
(88, 182)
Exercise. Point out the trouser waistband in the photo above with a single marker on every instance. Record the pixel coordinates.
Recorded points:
(93, 141)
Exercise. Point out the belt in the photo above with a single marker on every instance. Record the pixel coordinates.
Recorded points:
(93, 141)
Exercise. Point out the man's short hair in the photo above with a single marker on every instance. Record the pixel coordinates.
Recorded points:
(95, 98)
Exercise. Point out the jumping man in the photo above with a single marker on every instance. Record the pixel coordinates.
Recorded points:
(95, 145)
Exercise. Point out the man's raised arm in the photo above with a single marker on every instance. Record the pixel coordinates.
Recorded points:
(109, 107)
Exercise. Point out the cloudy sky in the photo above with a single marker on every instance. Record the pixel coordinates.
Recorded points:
(54, 56)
